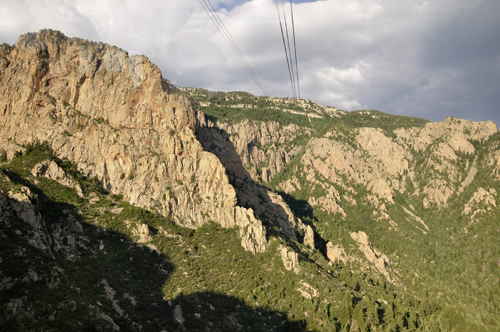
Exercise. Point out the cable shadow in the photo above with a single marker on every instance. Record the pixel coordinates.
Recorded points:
(60, 270)
(219, 312)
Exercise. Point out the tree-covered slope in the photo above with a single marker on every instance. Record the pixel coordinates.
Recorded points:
(94, 262)
(129, 204)
(425, 193)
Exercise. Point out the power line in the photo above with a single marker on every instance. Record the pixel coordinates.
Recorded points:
(295, 48)
(291, 57)
(262, 52)
(284, 46)
(289, 50)
(225, 33)
(207, 6)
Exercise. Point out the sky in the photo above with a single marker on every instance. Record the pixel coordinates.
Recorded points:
(423, 58)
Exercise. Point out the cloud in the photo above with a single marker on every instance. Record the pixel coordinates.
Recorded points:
(19, 17)
(421, 58)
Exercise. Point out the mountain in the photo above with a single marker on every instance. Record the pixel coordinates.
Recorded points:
(130, 204)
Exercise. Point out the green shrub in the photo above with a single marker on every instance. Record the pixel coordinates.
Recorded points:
(3, 155)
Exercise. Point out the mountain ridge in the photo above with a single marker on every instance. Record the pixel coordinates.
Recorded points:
(334, 200)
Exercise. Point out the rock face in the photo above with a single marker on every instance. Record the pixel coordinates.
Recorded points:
(308, 291)
(118, 120)
(256, 143)
(142, 231)
(19, 205)
(342, 169)
(252, 231)
(494, 160)
(332, 160)
(482, 201)
(335, 253)
(133, 133)
(289, 258)
(51, 170)
(41, 245)
(374, 256)
(382, 164)
(309, 237)
(264, 203)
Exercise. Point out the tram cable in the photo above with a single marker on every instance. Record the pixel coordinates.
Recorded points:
(291, 57)
(289, 52)
(210, 10)
(284, 45)
(295, 49)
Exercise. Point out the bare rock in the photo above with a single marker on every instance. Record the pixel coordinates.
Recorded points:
(51, 170)
(308, 291)
(384, 149)
(143, 232)
(19, 205)
(284, 216)
(335, 253)
(110, 294)
(309, 237)
(437, 191)
(115, 117)
(459, 142)
(328, 203)
(374, 256)
(417, 218)
(289, 258)
(446, 151)
(482, 201)
(468, 180)
(252, 231)
(493, 160)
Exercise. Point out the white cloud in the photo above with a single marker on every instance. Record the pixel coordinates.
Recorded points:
(421, 58)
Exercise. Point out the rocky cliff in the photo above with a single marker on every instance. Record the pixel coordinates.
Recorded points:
(394, 197)
(111, 178)
(120, 121)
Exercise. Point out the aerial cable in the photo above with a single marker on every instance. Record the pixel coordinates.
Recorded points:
(262, 52)
(292, 74)
(289, 52)
(236, 49)
(232, 44)
(225, 34)
(284, 45)
(295, 48)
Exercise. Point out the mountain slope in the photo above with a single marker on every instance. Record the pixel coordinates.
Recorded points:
(136, 205)
(425, 193)
(114, 117)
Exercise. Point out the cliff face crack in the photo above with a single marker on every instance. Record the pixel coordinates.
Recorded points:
(39, 73)
(77, 90)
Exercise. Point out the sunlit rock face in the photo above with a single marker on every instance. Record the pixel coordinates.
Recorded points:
(117, 119)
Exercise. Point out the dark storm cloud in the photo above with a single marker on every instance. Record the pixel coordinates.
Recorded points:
(462, 53)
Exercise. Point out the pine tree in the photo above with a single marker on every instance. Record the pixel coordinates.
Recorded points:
(345, 312)
(372, 314)
(359, 316)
